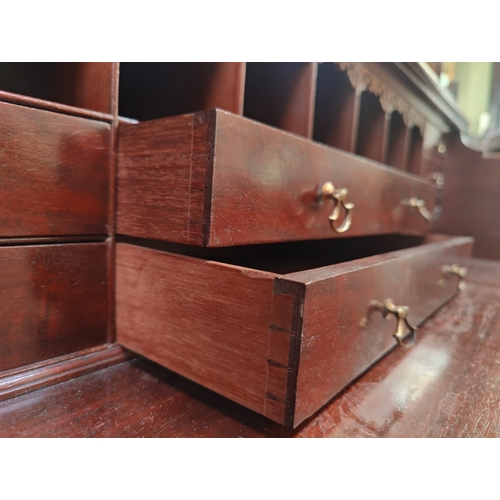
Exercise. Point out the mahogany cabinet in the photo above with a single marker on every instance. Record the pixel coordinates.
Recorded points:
(265, 214)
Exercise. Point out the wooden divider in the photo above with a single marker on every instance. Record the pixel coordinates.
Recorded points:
(335, 108)
(415, 151)
(397, 151)
(372, 128)
(281, 95)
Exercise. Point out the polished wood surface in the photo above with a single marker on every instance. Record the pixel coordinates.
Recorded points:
(217, 179)
(162, 176)
(343, 334)
(445, 386)
(281, 345)
(17, 381)
(55, 173)
(54, 301)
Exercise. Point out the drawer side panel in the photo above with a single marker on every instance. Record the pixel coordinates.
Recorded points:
(344, 332)
(163, 170)
(219, 325)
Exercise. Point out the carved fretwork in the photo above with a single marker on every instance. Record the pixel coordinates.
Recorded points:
(361, 79)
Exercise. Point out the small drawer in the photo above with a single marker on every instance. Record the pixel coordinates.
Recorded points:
(54, 301)
(270, 329)
(55, 173)
(215, 179)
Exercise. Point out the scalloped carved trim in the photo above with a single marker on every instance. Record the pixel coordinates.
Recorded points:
(362, 80)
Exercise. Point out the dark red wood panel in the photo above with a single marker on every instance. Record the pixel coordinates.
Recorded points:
(55, 173)
(445, 386)
(54, 301)
(343, 333)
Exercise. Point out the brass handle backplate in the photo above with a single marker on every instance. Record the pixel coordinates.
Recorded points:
(400, 313)
(338, 196)
(420, 204)
(456, 270)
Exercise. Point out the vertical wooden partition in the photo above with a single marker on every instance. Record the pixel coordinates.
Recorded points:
(336, 108)
(397, 150)
(372, 129)
(281, 95)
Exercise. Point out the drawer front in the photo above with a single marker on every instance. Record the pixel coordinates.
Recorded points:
(343, 329)
(54, 301)
(55, 173)
(216, 179)
(282, 345)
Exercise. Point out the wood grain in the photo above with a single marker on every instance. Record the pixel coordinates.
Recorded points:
(54, 301)
(187, 314)
(274, 343)
(53, 371)
(162, 174)
(446, 386)
(55, 173)
(217, 179)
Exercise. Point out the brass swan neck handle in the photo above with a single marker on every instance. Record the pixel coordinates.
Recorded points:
(456, 270)
(338, 196)
(400, 313)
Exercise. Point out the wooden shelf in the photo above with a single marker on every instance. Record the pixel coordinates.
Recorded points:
(281, 95)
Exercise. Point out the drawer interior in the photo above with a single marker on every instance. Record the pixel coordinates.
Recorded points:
(290, 257)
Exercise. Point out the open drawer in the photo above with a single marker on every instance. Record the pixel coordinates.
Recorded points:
(277, 333)
(216, 179)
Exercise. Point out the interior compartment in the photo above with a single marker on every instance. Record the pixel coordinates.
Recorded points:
(81, 84)
(289, 257)
(281, 95)
(335, 108)
(416, 146)
(158, 90)
(372, 128)
(396, 151)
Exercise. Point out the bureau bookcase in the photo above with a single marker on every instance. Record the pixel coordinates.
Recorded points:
(243, 224)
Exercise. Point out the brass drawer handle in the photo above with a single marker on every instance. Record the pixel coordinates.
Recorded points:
(456, 270)
(420, 204)
(400, 313)
(328, 192)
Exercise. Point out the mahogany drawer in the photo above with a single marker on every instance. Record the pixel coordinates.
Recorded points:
(217, 179)
(280, 343)
(55, 173)
(54, 301)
